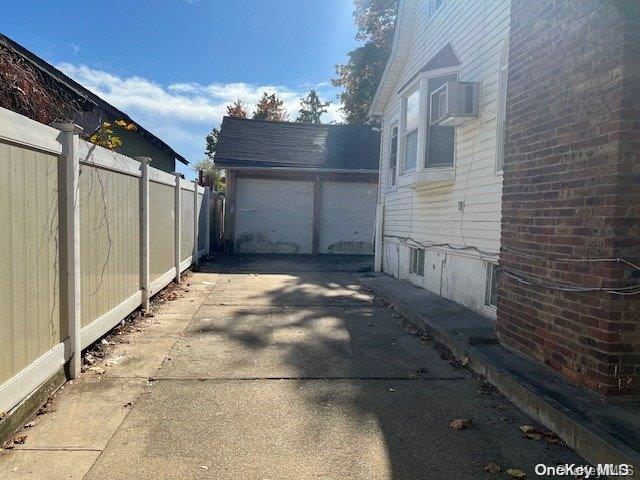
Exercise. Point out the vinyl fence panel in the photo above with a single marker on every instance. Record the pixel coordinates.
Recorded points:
(76, 260)
(161, 224)
(29, 257)
(186, 233)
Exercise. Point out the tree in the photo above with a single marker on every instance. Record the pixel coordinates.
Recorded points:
(360, 76)
(312, 108)
(210, 172)
(237, 109)
(271, 108)
(212, 140)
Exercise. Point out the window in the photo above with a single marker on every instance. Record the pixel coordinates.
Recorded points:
(432, 7)
(410, 136)
(393, 155)
(440, 139)
(426, 153)
(491, 295)
(501, 116)
(417, 262)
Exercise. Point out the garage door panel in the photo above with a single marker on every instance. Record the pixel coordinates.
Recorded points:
(265, 187)
(273, 216)
(367, 189)
(247, 186)
(348, 215)
(303, 187)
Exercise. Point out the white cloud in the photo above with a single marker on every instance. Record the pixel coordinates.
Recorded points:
(183, 113)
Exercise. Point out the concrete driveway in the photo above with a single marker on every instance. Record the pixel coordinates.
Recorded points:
(288, 373)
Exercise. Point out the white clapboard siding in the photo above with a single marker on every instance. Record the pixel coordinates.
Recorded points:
(477, 30)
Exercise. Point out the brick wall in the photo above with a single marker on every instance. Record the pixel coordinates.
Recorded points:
(572, 189)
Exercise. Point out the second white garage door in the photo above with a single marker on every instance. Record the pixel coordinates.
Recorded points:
(348, 217)
(273, 216)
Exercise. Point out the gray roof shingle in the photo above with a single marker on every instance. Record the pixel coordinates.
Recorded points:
(264, 144)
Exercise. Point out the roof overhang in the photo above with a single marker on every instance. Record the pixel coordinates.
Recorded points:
(399, 51)
(86, 94)
(291, 169)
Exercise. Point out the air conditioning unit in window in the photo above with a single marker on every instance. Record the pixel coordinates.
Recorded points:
(454, 102)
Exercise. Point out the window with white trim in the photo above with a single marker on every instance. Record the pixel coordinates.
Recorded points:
(501, 115)
(416, 266)
(411, 109)
(393, 155)
(426, 152)
(440, 138)
(491, 289)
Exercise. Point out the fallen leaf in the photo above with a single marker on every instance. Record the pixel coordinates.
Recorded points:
(492, 467)
(460, 423)
(516, 473)
(20, 440)
(533, 436)
(30, 425)
(526, 428)
(464, 361)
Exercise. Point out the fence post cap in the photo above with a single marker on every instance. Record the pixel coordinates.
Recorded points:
(145, 160)
(177, 174)
(67, 127)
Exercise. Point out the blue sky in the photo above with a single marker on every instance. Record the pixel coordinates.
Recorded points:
(174, 65)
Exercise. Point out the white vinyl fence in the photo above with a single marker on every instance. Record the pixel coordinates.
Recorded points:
(86, 236)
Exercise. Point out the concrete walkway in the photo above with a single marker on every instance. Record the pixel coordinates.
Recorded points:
(300, 375)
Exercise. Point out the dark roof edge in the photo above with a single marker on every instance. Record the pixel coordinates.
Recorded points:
(298, 124)
(84, 92)
(230, 164)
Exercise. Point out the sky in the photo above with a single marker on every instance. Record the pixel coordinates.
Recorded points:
(174, 65)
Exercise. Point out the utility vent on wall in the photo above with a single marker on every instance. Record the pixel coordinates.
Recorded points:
(454, 102)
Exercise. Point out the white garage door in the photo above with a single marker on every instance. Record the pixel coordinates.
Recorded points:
(348, 217)
(273, 216)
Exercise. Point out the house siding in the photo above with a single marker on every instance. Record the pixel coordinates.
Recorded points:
(477, 31)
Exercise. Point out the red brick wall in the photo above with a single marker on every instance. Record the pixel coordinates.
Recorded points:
(572, 189)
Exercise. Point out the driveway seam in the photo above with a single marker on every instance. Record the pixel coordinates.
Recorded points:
(177, 338)
(254, 379)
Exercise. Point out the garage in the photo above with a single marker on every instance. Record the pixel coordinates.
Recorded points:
(347, 218)
(296, 188)
(273, 216)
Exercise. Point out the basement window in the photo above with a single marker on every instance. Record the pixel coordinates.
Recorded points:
(491, 295)
(417, 262)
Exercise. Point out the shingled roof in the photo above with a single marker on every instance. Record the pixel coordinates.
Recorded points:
(89, 110)
(262, 144)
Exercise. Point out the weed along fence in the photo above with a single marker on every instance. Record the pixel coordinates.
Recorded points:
(87, 236)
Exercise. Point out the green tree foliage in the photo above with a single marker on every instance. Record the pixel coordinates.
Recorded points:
(360, 76)
(211, 142)
(209, 172)
(236, 109)
(312, 108)
(271, 108)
